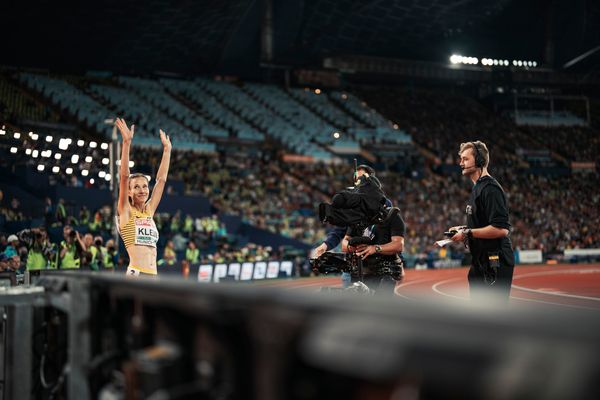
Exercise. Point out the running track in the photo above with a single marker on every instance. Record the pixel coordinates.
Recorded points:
(569, 286)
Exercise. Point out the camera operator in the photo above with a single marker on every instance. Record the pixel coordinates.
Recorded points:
(71, 249)
(336, 235)
(89, 255)
(111, 256)
(97, 251)
(40, 252)
(382, 262)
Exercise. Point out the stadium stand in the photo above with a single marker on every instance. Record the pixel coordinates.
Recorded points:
(204, 109)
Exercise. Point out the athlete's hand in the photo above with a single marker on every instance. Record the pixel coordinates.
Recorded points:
(166, 141)
(126, 133)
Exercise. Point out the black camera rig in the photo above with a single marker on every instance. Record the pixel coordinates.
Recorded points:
(331, 263)
(356, 207)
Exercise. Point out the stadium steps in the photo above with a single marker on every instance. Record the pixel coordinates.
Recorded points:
(84, 86)
(215, 96)
(316, 109)
(264, 104)
(196, 103)
(13, 93)
(271, 108)
(84, 131)
(281, 115)
(301, 104)
(219, 98)
(268, 106)
(189, 103)
(337, 102)
(147, 116)
(163, 109)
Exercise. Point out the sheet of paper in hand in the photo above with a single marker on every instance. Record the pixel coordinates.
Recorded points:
(443, 242)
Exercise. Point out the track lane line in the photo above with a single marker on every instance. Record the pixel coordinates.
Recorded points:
(438, 291)
(554, 273)
(553, 303)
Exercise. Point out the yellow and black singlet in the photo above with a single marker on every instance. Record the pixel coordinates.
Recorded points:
(140, 229)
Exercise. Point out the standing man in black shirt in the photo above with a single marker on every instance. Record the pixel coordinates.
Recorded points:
(488, 227)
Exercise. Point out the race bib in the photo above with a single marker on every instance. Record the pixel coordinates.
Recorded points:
(146, 233)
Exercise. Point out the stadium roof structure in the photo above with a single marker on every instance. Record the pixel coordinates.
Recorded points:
(229, 36)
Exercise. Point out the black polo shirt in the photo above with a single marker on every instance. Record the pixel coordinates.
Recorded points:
(488, 206)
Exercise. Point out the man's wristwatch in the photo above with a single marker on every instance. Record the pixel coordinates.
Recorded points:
(468, 233)
(377, 248)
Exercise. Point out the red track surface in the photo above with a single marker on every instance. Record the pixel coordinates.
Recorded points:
(572, 286)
